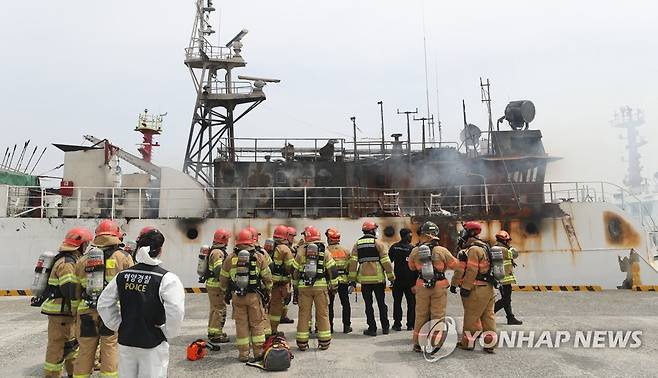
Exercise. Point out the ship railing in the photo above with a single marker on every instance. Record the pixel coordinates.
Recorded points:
(373, 148)
(602, 191)
(202, 49)
(222, 88)
(462, 201)
(261, 149)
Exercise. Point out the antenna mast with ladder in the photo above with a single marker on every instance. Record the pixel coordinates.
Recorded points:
(486, 98)
(218, 95)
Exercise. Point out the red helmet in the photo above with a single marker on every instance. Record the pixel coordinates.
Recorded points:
(311, 234)
(333, 236)
(503, 236)
(254, 233)
(292, 232)
(281, 232)
(474, 228)
(369, 226)
(78, 236)
(245, 237)
(221, 236)
(109, 227)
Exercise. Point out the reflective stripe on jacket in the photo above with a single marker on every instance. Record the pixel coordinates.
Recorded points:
(369, 262)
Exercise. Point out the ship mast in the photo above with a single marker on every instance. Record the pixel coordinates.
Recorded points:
(631, 120)
(218, 96)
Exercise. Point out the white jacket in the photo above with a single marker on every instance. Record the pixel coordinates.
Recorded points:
(172, 295)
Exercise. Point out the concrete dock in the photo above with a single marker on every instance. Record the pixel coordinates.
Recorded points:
(23, 340)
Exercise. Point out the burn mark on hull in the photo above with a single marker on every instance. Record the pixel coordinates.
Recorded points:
(190, 227)
(619, 232)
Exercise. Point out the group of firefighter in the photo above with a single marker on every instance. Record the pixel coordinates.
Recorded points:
(85, 282)
(260, 281)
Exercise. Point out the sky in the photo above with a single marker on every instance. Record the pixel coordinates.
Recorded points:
(69, 68)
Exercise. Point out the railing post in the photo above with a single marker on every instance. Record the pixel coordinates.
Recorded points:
(237, 202)
(577, 194)
(112, 215)
(79, 203)
(8, 204)
(460, 199)
(602, 192)
(304, 202)
(550, 189)
(43, 201)
(341, 201)
(139, 203)
(273, 199)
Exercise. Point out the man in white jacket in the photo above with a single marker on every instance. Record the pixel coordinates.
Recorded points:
(146, 305)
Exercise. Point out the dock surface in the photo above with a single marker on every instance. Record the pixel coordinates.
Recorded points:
(23, 342)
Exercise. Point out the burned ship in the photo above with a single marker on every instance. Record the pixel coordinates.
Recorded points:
(570, 235)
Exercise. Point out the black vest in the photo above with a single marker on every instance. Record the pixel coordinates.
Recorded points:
(142, 311)
(366, 249)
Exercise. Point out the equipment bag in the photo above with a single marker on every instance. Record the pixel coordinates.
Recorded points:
(196, 350)
(276, 354)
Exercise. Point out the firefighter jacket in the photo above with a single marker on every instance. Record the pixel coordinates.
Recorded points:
(282, 262)
(115, 261)
(260, 276)
(326, 273)
(509, 254)
(62, 284)
(442, 260)
(369, 261)
(477, 265)
(342, 258)
(399, 255)
(215, 261)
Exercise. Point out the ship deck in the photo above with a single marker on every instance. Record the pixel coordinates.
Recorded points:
(23, 338)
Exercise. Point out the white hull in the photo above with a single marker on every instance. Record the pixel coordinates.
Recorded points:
(548, 256)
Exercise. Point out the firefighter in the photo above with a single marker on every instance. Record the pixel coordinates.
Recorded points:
(217, 316)
(342, 258)
(368, 263)
(503, 240)
(476, 289)
(90, 328)
(430, 261)
(145, 305)
(61, 304)
(290, 241)
(292, 233)
(250, 280)
(267, 328)
(404, 282)
(314, 275)
(281, 267)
